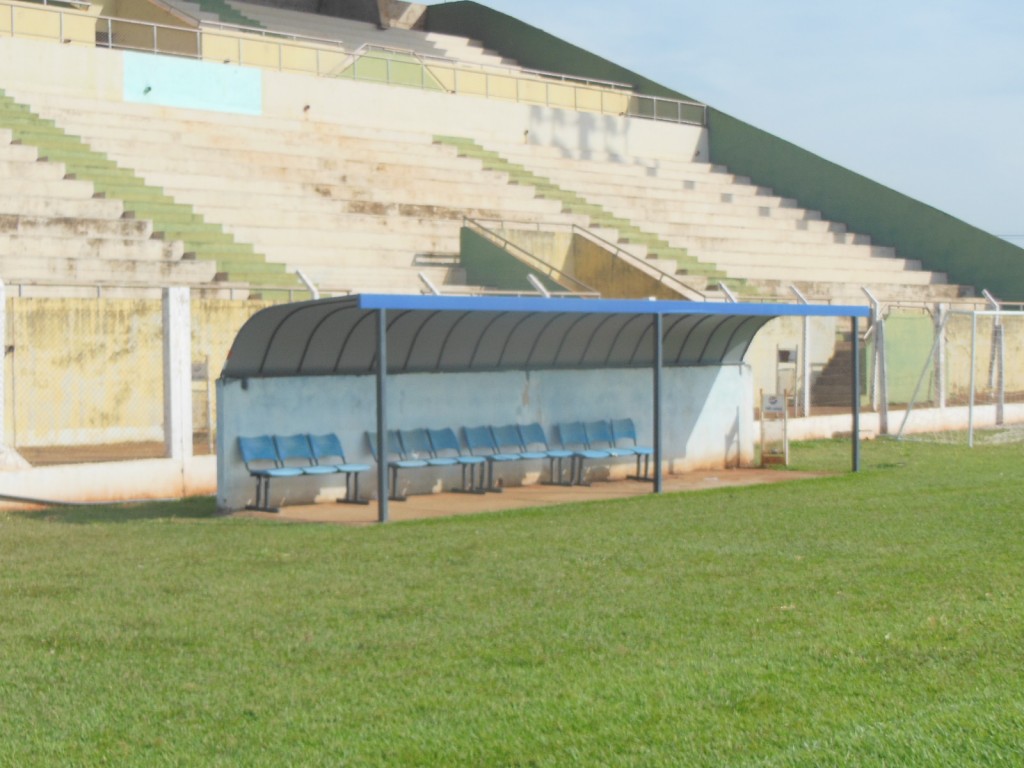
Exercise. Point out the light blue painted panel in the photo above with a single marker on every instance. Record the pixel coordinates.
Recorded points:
(192, 84)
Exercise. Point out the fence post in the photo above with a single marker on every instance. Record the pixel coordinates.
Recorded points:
(3, 363)
(177, 327)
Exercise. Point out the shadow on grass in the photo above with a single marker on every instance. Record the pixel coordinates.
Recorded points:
(193, 508)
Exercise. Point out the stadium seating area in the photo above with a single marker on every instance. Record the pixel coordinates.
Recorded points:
(54, 231)
(207, 198)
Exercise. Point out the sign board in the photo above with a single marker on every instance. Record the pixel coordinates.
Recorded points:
(774, 429)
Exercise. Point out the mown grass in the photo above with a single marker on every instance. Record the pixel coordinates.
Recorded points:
(868, 620)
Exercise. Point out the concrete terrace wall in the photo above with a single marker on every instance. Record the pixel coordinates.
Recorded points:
(942, 243)
(707, 417)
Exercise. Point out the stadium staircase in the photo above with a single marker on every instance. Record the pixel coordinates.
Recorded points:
(356, 34)
(171, 220)
(724, 223)
(61, 226)
(215, 10)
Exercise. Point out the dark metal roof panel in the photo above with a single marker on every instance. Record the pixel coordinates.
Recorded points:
(441, 333)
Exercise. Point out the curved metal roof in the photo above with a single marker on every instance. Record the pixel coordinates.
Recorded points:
(446, 334)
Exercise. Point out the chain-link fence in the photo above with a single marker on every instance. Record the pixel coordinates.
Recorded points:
(956, 360)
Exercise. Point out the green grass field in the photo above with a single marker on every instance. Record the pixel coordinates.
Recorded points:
(858, 620)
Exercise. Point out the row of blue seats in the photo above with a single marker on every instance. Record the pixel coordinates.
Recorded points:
(274, 456)
(489, 445)
(271, 456)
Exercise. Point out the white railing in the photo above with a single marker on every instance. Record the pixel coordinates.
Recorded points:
(329, 58)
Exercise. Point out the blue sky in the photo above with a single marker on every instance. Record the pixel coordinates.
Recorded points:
(924, 96)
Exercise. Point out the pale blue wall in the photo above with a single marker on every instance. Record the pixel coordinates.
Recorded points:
(708, 417)
(191, 84)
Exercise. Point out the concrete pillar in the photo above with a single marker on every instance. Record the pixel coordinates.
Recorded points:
(177, 325)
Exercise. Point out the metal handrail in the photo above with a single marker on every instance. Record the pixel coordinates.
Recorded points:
(523, 255)
(637, 105)
(77, 4)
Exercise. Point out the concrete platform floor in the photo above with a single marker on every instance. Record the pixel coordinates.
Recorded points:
(433, 505)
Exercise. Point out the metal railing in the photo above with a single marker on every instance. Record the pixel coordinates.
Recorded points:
(285, 52)
(553, 273)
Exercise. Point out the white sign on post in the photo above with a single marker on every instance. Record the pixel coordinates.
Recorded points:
(775, 404)
(774, 428)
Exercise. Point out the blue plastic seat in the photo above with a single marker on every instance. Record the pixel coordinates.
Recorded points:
(480, 442)
(327, 452)
(624, 434)
(534, 440)
(508, 440)
(599, 437)
(295, 451)
(573, 436)
(262, 462)
(395, 459)
(445, 444)
(416, 445)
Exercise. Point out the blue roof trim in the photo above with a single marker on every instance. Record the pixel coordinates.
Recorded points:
(624, 306)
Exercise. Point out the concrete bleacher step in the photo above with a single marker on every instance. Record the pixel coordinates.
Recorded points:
(43, 266)
(746, 230)
(43, 206)
(74, 226)
(86, 247)
(839, 274)
(571, 201)
(106, 177)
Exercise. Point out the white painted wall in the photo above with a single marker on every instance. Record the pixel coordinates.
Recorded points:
(707, 417)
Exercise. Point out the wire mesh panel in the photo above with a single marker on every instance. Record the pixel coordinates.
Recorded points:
(85, 379)
(972, 362)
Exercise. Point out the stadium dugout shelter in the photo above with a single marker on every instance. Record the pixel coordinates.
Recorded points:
(676, 368)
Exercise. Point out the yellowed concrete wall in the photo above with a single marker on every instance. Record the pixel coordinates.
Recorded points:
(589, 263)
(143, 10)
(958, 355)
(613, 277)
(90, 372)
(32, 20)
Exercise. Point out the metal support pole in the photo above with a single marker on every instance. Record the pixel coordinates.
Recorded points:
(855, 388)
(974, 357)
(805, 358)
(3, 362)
(879, 379)
(658, 360)
(383, 492)
(940, 355)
